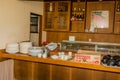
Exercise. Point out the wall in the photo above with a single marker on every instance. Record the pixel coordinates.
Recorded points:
(58, 37)
(15, 20)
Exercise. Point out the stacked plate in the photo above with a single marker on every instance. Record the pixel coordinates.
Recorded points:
(24, 46)
(12, 48)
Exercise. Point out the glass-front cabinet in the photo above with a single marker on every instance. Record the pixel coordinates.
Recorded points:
(57, 16)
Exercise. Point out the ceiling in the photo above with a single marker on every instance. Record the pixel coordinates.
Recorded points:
(44, 0)
(66, 0)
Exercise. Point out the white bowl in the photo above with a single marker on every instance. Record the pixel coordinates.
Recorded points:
(51, 46)
(34, 51)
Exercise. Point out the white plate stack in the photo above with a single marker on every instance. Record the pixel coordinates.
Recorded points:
(24, 46)
(12, 48)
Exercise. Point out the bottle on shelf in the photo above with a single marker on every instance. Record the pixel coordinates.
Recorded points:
(79, 9)
(83, 16)
(118, 7)
(74, 9)
(51, 7)
(77, 17)
(80, 17)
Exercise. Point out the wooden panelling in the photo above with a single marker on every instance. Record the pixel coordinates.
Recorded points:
(86, 74)
(60, 73)
(63, 36)
(23, 70)
(81, 74)
(41, 71)
(52, 36)
(98, 75)
(77, 26)
(58, 37)
(104, 38)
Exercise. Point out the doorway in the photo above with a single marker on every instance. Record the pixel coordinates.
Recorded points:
(35, 29)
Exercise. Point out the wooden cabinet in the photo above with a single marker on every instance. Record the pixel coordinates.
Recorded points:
(27, 70)
(80, 74)
(100, 16)
(57, 16)
(117, 18)
(78, 16)
(84, 16)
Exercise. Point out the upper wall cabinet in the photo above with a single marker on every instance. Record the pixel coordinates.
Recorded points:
(100, 16)
(78, 16)
(57, 16)
(117, 18)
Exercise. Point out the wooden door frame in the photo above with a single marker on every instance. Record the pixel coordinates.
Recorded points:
(40, 27)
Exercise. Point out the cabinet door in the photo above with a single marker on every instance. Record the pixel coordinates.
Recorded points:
(57, 16)
(117, 18)
(41, 71)
(81, 74)
(60, 73)
(63, 16)
(49, 15)
(78, 17)
(23, 70)
(100, 16)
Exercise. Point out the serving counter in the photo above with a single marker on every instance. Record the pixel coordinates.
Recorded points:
(35, 68)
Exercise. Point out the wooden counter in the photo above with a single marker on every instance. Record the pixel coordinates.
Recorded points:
(19, 56)
(33, 68)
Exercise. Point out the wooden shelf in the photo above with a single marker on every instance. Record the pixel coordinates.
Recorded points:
(117, 12)
(78, 21)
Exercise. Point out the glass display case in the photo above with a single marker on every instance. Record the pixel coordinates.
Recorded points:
(90, 46)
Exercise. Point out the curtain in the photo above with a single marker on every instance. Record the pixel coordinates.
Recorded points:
(6, 70)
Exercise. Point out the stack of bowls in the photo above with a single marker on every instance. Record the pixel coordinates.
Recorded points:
(12, 48)
(34, 51)
(24, 46)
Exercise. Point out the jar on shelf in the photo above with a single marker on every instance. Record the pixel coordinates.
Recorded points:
(51, 7)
